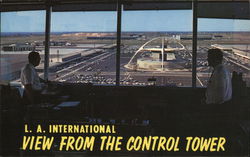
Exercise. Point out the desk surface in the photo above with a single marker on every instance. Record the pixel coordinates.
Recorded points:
(69, 104)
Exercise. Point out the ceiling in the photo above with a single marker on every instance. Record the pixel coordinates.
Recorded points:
(230, 9)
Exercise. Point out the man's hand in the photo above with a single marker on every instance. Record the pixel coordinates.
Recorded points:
(43, 81)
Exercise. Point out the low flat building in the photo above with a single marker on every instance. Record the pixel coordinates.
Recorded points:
(18, 47)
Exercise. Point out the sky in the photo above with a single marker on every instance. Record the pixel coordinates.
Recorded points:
(164, 20)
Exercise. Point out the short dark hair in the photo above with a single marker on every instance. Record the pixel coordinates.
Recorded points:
(216, 54)
(33, 55)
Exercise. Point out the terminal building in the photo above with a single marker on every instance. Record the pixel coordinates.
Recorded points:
(18, 47)
(158, 57)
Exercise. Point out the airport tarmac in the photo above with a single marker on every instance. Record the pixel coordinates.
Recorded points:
(99, 68)
(101, 71)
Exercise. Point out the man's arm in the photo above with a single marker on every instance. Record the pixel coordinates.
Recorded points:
(42, 80)
(29, 93)
(220, 87)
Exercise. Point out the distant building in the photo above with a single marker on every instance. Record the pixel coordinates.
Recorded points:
(19, 47)
(200, 37)
(112, 38)
(58, 43)
(178, 37)
(218, 36)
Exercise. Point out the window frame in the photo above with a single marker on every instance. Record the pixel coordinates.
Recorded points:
(196, 7)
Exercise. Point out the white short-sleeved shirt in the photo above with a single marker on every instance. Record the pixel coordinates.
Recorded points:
(219, 88)
(30, 76)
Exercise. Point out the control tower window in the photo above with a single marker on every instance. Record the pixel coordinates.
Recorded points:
(83, 43)
(83, 47)
(21, 32)
(232, 37)
(158, 33)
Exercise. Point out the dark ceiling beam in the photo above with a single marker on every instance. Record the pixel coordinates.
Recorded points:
(226, 9)
(26, 7)
(84, 7)
(157, 5)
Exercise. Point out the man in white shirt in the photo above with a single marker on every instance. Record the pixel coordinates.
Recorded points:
(29, 77)
(219, 88)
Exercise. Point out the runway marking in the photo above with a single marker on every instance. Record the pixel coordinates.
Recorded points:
(199, 80)
(242, 66)
(59, 71)
(74, 71)
(196, 73)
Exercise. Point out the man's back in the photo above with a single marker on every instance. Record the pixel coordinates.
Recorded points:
(30, 76)
(219, 88)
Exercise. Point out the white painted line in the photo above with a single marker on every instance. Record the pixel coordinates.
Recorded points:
(74, 71)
